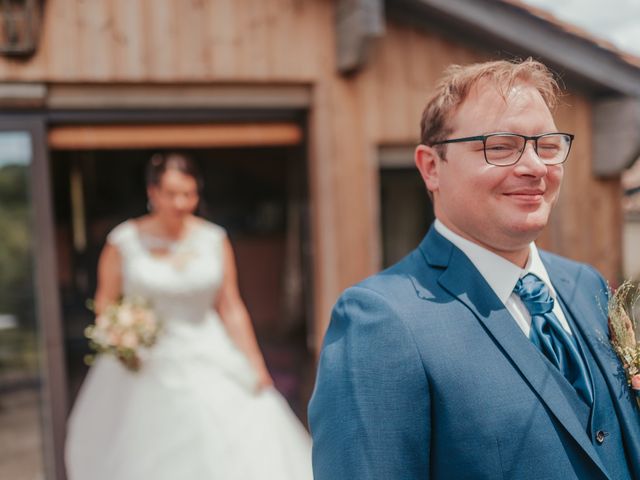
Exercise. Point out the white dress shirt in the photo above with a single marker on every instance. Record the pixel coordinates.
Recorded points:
(502, 276)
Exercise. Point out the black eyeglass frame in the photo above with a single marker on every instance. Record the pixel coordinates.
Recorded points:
(526, 138)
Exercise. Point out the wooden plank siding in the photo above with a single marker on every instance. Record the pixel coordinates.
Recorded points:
(587, 223)
(280, 42)
(179, 41)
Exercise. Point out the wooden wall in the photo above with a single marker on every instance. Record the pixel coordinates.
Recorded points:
(178, 41)
(587, 222)
(292, 42)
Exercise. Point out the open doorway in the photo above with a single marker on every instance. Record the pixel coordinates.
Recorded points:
(406, 212)
(258, 194)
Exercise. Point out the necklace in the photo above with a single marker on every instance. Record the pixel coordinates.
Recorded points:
(159, 244)
(175, 252)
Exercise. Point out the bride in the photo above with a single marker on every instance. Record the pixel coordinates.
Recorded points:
(203, 405)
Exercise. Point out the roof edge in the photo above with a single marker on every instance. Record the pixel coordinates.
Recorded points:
(512, 26)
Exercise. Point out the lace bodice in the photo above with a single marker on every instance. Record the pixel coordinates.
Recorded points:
(181, 284)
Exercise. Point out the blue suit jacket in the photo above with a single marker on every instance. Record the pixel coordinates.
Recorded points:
(425, 374)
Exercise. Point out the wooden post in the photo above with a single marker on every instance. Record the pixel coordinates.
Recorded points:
(616, 135)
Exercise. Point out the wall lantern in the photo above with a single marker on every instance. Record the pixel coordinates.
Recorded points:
(20, 22)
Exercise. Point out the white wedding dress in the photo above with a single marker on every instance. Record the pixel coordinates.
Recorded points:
(192, 411)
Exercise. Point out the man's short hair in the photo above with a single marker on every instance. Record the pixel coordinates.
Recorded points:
(458, 80)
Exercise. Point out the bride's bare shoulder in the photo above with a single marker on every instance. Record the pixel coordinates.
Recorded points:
(122, 232)
(142, 223)
(209, 227)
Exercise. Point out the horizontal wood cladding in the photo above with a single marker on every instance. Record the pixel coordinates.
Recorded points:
(183, 96)
(100, 137)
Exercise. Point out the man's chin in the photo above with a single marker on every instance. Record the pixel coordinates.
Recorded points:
(530, 229)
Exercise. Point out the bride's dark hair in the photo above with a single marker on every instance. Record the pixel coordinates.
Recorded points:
(161, 162)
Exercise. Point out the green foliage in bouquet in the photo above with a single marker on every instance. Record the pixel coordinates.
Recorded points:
(624, 329)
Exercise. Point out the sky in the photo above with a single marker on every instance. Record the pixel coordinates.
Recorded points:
(617, 21)
(15, 148)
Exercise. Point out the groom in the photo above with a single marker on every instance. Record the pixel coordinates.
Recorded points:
(478, 356)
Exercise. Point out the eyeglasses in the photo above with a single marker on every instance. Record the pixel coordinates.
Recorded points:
(505, 149)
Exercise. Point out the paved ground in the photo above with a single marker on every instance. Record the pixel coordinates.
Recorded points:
(20, 440)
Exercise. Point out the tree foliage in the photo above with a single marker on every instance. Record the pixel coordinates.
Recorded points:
(16, 259)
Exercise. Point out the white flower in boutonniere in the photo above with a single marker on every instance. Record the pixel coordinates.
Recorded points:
(624, 329)
(124, 329)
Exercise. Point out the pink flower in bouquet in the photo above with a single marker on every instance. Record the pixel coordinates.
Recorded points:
(114, 338)
(102, 321)
(129, 340)
(145, 319)
(126, 316)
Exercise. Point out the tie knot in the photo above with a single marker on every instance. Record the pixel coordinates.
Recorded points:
(535, 294)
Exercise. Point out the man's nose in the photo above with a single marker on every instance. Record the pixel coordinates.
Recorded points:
(530, 163)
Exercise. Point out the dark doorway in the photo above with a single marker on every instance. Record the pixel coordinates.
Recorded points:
(405, 210)
(259, 195)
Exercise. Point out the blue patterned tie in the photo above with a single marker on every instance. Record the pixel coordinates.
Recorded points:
(550, 338)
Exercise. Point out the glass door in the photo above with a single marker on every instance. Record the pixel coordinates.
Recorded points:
(32, 409)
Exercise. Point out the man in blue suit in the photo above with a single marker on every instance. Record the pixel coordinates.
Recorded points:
(478, 356)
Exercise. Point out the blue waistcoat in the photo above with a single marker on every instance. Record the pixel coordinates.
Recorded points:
(600, 420)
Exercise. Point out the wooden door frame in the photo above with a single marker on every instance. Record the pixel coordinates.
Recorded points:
(56, 118)
(48, 311)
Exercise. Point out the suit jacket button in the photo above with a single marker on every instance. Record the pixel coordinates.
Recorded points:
(600, 434)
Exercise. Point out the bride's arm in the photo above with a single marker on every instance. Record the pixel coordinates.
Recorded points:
(234, 315)
(109, 285)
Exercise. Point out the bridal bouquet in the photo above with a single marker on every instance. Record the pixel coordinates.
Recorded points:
(124, 329)
(624, 328)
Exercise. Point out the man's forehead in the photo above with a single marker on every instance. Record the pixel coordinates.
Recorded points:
(492, 100)
(506, 92)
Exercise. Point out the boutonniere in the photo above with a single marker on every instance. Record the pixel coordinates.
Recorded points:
(625, 329)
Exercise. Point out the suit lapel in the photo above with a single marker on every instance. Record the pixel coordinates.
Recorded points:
(587, 316)
(463, 281)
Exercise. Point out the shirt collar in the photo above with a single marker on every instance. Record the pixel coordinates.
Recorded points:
(500, 273)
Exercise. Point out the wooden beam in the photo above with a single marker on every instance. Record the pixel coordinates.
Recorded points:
(84, 96)
(99, 137)
(358, 24)
(616, 135)
(22, 95)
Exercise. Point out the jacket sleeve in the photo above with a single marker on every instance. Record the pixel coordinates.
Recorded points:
(370, 411)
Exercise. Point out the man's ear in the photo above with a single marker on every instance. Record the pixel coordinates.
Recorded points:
(427, 159)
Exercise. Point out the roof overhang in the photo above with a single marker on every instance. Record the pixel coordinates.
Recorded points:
(511, 30)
